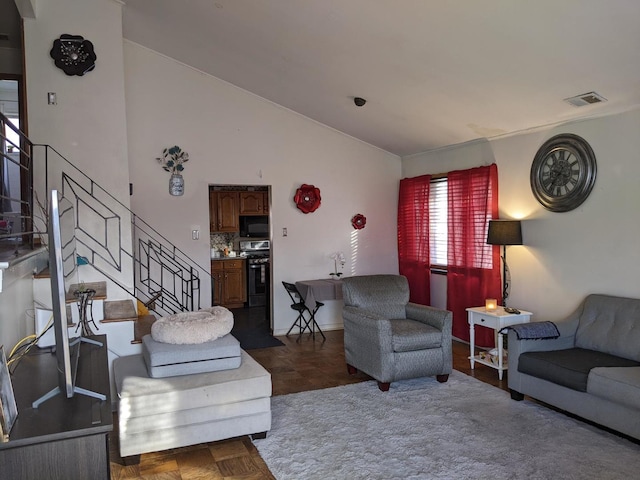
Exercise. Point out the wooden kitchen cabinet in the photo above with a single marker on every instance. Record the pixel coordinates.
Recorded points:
(254, 203)
(230, 284)
(224, 211)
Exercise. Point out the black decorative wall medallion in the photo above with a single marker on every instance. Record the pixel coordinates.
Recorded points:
(73, 54)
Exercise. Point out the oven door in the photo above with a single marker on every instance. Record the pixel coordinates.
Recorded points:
(257, 284)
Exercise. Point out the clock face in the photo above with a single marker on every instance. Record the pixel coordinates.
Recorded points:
(563, 173)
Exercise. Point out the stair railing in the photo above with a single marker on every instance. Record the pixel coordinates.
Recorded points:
(122, 246)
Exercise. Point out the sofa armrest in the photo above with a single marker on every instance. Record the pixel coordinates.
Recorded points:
(567, 329)
(436, 317)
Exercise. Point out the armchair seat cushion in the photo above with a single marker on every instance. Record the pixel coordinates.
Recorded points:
(409, 335)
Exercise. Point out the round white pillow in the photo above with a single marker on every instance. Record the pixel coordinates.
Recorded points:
(189, 328)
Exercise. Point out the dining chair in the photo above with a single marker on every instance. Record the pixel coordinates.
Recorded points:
(297, 304)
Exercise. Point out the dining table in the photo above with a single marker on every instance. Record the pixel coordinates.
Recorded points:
(313, 291)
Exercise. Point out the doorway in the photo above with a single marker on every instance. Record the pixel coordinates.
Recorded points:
(240, 239)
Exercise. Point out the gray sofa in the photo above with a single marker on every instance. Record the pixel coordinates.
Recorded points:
(389, 338)
(592, 370)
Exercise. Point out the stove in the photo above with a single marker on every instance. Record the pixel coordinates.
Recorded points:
(258, 270)
(257, 259)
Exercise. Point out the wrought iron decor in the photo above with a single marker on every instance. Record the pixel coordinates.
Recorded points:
(73, 54)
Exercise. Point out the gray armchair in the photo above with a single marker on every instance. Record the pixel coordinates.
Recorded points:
(389, 338)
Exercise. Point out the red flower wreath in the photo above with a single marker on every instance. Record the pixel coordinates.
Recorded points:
(307, 198)
(358, 221)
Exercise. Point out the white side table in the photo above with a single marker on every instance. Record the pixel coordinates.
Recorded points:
(497, 320)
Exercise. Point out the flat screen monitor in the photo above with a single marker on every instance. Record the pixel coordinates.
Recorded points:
(63, 270)
(62, 266)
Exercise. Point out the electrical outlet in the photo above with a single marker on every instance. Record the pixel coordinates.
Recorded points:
(284, 232)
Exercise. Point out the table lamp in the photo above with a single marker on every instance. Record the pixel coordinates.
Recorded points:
(504, 232)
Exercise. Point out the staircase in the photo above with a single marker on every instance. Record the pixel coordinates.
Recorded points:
(125, 260)
(118, 319)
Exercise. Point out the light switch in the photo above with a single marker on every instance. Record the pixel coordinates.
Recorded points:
(195, 234)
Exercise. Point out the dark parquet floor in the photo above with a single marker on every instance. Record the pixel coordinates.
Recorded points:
(295, 367)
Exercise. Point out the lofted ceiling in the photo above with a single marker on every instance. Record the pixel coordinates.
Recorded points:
(434, 72)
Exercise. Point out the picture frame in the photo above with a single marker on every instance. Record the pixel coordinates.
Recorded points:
(8, 407)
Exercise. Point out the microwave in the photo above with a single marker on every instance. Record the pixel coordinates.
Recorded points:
(254, 226)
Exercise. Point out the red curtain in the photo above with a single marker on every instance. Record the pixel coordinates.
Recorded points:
(413, 236)
(473, 267)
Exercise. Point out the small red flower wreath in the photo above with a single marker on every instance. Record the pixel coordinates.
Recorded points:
(358, 221)
(307, 198)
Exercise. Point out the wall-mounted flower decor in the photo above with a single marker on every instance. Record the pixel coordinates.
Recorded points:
(307, 198)
(172, 161)
(73, 54)
(358, 221)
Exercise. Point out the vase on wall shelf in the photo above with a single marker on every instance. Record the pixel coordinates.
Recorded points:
(176, 185)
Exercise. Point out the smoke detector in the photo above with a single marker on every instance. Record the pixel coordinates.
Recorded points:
(585, 99)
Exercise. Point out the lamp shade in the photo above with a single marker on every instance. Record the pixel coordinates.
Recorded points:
(504, 232)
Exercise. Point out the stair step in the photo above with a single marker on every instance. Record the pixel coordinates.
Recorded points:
(99, 287)
(119, 311)
(44, 273)
(142, 327)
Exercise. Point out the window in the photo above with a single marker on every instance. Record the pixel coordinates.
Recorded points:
(438, 222)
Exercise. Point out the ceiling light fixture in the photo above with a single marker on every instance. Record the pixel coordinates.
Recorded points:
(359, 101)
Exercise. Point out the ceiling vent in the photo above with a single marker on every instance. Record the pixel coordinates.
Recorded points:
(585, 99)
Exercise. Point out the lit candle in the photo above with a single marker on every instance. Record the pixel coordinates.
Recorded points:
(491, 304)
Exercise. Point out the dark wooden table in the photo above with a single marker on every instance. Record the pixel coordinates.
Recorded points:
(65, 438)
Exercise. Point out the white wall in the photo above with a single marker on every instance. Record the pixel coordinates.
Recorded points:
(16, 298)
(88, 124)
(234, 137)
(592, 249)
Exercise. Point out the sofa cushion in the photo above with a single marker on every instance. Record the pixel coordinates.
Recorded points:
(409, 335)
(611, 325)
(618, 384)
(141, 395)
(570, 367)
(158, 354)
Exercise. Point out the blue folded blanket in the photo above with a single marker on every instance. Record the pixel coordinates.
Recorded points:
(534, 330)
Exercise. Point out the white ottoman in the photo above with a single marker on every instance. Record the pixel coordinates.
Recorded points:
(161, 413)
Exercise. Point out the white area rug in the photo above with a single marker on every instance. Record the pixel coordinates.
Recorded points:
(421, 429)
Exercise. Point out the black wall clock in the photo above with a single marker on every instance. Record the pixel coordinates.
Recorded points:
(563, 172)
(73, 54)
